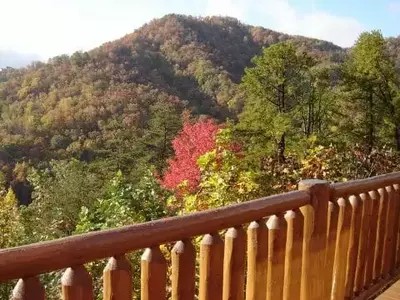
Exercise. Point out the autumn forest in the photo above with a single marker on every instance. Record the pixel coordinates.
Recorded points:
(186, 114)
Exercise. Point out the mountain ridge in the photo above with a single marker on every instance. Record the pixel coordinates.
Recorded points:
(104, 101)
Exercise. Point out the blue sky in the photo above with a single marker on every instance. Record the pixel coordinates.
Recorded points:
(50, 27)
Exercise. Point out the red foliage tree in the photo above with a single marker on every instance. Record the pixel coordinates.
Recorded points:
(193, 141)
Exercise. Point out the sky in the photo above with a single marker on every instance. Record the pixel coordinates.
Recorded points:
(39, 29)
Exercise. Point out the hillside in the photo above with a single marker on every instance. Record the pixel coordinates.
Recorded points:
(110, 102)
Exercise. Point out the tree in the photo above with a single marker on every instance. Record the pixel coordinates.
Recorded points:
(194, 140)
(225, 179)
(163, 125)
(11, 230)
(317, 108)
(371, 82)
(274, 88)
(59, 142)
(10, 226)
(123, 204)
(60, 190)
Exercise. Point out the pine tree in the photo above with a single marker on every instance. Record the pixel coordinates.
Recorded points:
(274, 88)
(371, 81)
(163, 126)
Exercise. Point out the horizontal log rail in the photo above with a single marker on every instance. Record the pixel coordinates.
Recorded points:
(343, 189)
(325, 241)
(44, 257)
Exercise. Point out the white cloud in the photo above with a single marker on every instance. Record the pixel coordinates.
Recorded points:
(394, 6)
(280, 15)
(340, 30)
(16, 60)
(50, 27)
(232, 8)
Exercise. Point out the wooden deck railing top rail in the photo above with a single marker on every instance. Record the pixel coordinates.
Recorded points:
(325, 241)
(342, 189)
(49, 256)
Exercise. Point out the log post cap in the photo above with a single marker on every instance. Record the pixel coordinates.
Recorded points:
(28, 288)
(316, 187)
(119, 262)
(307, 184)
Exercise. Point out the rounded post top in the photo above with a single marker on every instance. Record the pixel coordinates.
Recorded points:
(306, 184)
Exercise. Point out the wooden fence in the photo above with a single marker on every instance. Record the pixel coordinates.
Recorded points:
(325, 241)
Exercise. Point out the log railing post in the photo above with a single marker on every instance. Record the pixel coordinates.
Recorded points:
(153, 274)
(257, 260)
(211, 267)
(380, 234)
(341, 250)
(183, 258)
(234, 262)
(314, 242)
(372, 227)
(117, 279)
(276, 257)
(331, 235)
(396, 189)
(362, 259)
(293, 254)
(77, 284)
(28, 289)
(354, 239)
(392, 223)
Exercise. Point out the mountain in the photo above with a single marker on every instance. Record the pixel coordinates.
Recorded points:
(15, 59)
(111, 103)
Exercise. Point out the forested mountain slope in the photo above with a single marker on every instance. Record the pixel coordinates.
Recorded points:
(102, 103)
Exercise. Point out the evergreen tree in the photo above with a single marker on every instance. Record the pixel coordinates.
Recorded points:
(163, 125)
(274, 88)
(371, 83)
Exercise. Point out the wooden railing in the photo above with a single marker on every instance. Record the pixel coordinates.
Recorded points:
(325, 241)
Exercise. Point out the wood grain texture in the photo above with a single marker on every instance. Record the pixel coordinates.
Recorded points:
(293, 255)
(44, 257)
(314, 242)
(211, 267)
(28, 289)
(257, 260)
(76, 284)
(276, 257)
(153, 275)
(183, 259)
(234, 264)
(117, 279)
